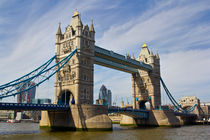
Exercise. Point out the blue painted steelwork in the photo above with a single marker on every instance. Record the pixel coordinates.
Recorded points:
(120, 59)
(12, 88)
(114, 65)
(26, 106)
(174, 102)
(15, 82)
(135, 113)
(185, 114)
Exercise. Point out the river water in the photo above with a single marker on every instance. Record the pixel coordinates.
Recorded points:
(31, 131)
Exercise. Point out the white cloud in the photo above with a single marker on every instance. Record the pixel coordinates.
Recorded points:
(186, 72)
(176, 34)
(168, 26)
(161, 25)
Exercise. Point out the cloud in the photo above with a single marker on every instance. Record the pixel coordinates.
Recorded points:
(161, 27)
(182, 37)
(178, 29)
(186, 72)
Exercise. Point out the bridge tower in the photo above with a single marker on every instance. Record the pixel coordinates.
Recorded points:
(74, 82)
(187, 102)
(146, 85)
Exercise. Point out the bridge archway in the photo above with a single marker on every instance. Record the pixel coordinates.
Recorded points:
(66, 98)
(186, 107)
(142, 104)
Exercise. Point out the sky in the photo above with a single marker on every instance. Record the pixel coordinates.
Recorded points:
(177, 29)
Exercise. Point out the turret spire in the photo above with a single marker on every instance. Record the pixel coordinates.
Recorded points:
(144, 45)
(79, 22)
(133, 57)
(59, 30)
(151, 53)
(157, 55)
(76, 13)
(91, 26)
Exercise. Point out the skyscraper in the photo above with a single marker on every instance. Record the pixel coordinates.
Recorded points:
(109, 97)
(105, 96)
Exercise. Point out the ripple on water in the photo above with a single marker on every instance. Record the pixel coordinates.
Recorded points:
(31, 131)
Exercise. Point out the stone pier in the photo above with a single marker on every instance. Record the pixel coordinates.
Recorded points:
(156, 118)
(79, 117)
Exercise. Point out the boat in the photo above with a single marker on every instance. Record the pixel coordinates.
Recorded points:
(13, 121)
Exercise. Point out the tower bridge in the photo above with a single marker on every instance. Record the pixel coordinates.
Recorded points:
(76, 54)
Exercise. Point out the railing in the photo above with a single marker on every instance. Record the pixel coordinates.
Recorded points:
(30, 106)
(136, 113)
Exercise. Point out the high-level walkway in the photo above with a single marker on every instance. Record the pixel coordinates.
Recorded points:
(117, 61)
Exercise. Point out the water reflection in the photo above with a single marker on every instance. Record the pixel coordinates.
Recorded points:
(31, 131)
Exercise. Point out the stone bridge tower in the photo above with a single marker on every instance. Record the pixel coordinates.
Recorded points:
(74, 82)
(146, 85)
(187, 102)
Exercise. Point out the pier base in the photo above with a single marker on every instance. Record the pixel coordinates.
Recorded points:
(156, 118)
(79, 117)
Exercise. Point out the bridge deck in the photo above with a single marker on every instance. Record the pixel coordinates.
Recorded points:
(135, 113)
(23, 106)
(184, 114)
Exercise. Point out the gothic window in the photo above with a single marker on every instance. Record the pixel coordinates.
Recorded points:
(73, 74)
(73, 32)
(87, 96)
(73, 61)
(86, 33)
(66, 77)
(146, 60)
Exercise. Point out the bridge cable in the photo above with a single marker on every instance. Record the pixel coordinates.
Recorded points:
(44, 70)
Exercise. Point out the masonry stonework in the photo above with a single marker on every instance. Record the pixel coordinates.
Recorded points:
(146, 85)
(76, 77)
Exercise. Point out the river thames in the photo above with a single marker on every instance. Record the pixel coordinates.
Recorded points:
(31, 131)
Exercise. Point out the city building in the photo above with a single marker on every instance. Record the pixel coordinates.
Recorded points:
(6, 114)
(41, 101)
(26, 96)
(109, 92)
(205, 107)
(105, 96)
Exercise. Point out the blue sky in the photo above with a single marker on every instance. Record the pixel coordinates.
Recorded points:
(178, 29)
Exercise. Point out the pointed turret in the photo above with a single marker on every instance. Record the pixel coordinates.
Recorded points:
(92, 27)
(59, 30)
(58, 34)
(76, 20)
(133, 57)
(79, 22)
(157, 55)
(151, 53)
(144, 45)
(76, 13)
(151, 56)
(144, 54)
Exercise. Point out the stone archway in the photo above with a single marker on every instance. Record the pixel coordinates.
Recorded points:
(66, 98)
(142, 104)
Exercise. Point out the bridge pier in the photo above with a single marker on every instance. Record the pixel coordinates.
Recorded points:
(156, 118)
(82, 117)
